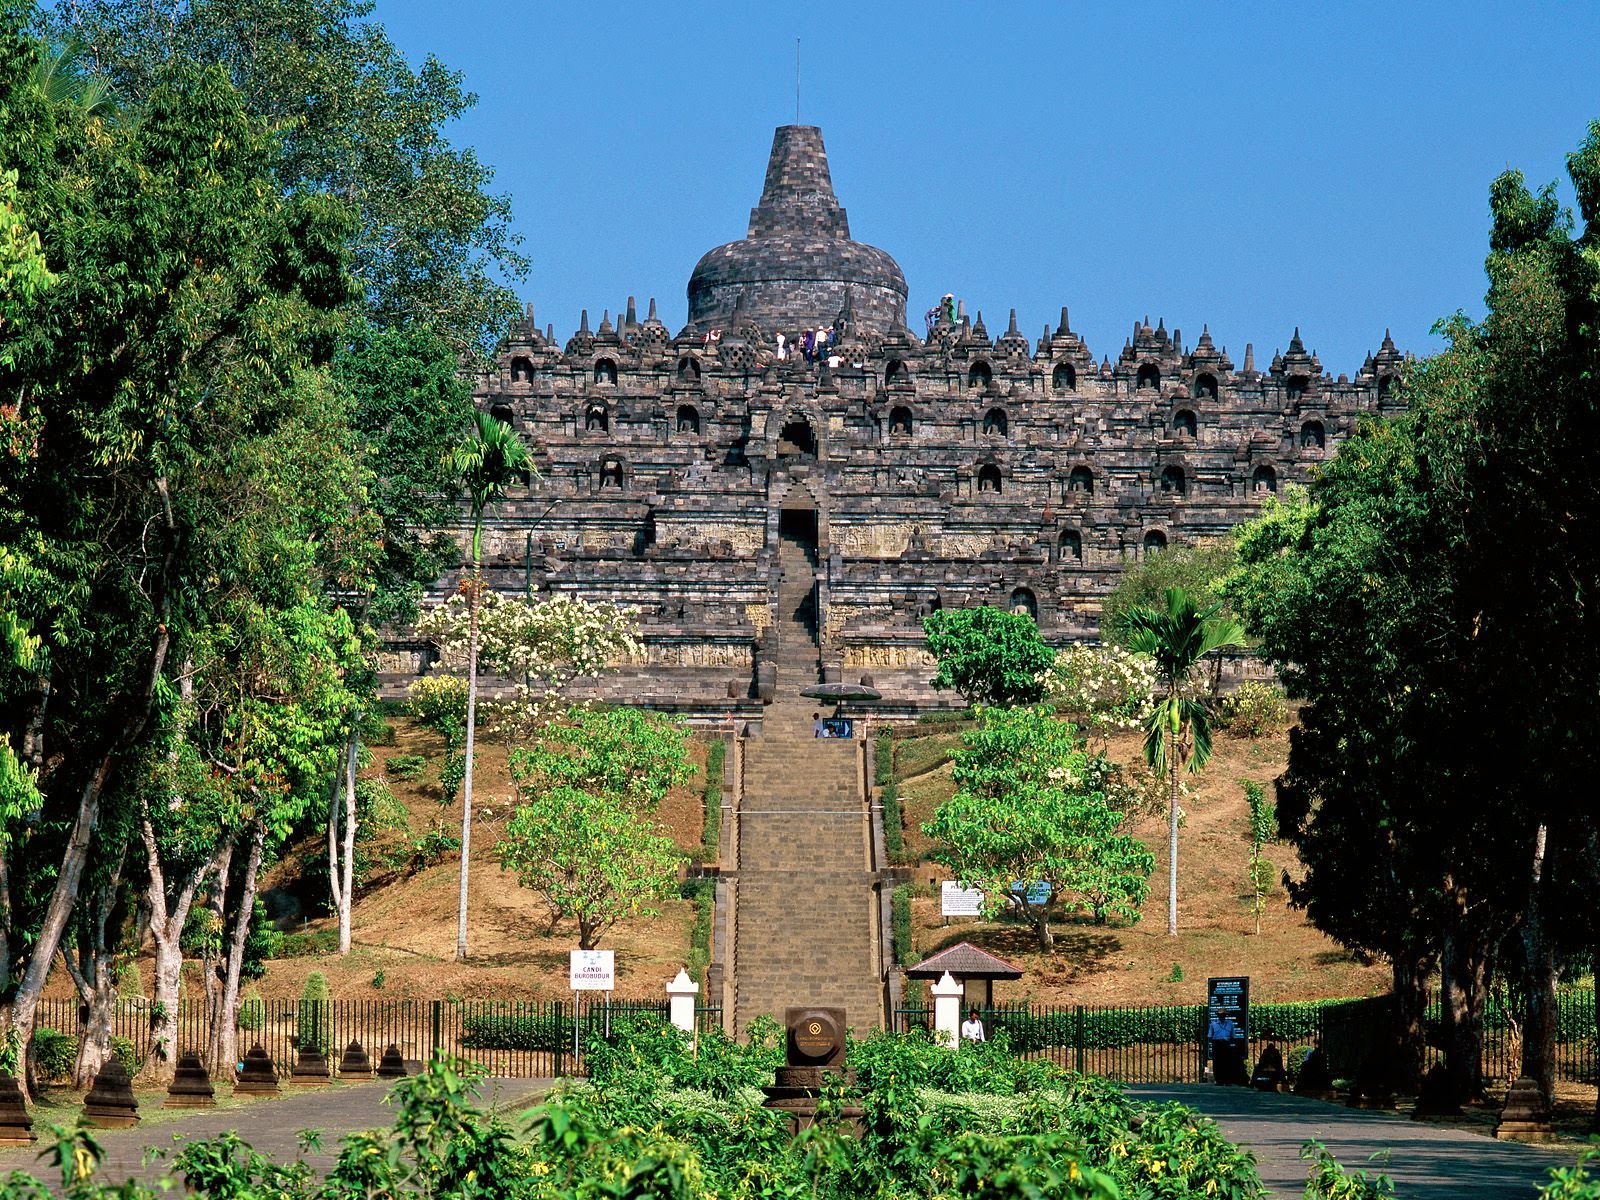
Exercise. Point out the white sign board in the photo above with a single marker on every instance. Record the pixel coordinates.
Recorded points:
(592, 970)
(957, 901)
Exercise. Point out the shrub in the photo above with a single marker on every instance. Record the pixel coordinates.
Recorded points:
(422, 852)
(380, 733)
(711, 801)
(883, 757)
(1254, 709)
(130, 984)
(53, 1054)
(1330, 1181)
(122, 1049)
(900, 909)
(306, 944)
(894, 822)
(252, 1011)
(407, 768)
(704, 894)
(314, 1021)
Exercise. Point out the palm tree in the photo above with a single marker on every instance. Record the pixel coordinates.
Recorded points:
(59, 76)
(1178, 729)
(488, 463)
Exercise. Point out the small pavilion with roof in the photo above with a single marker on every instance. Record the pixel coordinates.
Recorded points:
(974, 969)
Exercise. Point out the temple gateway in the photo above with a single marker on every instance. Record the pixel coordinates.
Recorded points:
(776, 518)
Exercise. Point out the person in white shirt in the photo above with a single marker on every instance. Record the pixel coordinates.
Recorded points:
(972, 1028)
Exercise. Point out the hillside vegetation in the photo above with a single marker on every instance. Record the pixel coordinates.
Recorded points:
(1135, 964)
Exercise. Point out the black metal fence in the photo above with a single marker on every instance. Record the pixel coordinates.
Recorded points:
(1167, 1044)
(517, 1039)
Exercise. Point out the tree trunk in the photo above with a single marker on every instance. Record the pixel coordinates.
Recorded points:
(225, 1029)
(1463, 984)
(1410, 974)
(64, 896)
(348, 882)
(1041, 924)
(166, 924)
(466, 787)
(1594, 968)
(93, 974)
(1539, 1021)
(1172, 845)
(213, 963)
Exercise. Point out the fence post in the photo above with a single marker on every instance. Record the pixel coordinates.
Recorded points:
(438, 1016)
(1077, 1037)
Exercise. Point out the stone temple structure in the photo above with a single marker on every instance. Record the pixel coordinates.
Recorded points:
(714, 487)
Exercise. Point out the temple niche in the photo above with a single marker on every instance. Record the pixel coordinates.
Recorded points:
(696, 475)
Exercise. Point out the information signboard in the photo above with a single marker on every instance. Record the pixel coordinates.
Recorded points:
(592, 970)
(1228, 1027)
(957, 901)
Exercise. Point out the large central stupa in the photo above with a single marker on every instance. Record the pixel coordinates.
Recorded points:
(797, 265)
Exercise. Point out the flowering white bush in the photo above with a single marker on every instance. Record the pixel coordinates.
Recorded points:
(1106, 687)
(540, 645)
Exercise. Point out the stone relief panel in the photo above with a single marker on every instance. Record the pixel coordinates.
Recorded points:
(902, 657)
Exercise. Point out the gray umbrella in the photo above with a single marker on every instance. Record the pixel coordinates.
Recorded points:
(842, 691)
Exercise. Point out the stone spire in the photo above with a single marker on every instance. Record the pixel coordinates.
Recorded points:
(797, 197)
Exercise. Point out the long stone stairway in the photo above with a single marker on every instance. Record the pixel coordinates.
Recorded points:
(805, 904)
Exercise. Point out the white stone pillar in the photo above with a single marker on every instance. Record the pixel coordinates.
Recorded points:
(681, 992)
(947, 994)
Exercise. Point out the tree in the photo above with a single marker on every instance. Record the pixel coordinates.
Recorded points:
(1178, 728)
(431, 247)
(989, 655)
(632, 754)
(487, 463)
(1031, 825)
(1263, 827)
(1105, 687)
(190, 296)
(592, 856)
(1200, 569)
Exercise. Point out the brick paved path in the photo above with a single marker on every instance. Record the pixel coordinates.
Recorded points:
(271, 1126)
(1428, 1162)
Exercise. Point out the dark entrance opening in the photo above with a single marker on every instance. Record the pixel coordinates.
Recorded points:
(797, 440)
(799, 525)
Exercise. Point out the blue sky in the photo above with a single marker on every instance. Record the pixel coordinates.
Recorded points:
(1250, 166)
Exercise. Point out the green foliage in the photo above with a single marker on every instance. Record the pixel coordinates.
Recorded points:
(711, 801)
(1105, 688)
(407, 768)
(894, 821)
(312, 943)
(1031, 806)
(420, 853)
(990, 656)
(905, 951)
(1199, 570)
(439, 702)
(130, 984)
(591, 857)
(124, 1051)
(252, 1011)
(1176, 974)
(314, 1018)
(704, 894)
(1330, 1181)
(631, 754)
(1253, 709)
(54, 1053)
(1263, 828)
(1578, 1182)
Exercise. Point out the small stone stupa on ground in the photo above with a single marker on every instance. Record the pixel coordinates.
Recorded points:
(258, 1077)
(191, 1085)
(393, 1064)
(110, 1103)
(310, 1068)
(356, 1063)
(16, 1127)
(1526, 1115)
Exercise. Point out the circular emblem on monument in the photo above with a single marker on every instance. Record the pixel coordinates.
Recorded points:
(816, 1036)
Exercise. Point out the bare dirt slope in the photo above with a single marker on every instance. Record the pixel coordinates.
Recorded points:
(406, 926)
(1130, 965)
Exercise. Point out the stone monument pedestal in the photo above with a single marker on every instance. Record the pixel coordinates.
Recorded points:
(1526, 1115)
(814, 1042)
(356, 1063)
(393, 1064)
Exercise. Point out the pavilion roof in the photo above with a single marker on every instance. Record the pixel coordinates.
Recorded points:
(964, 961)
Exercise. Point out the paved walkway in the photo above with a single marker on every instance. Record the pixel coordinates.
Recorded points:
(272, 1126)
(1427, 1162)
